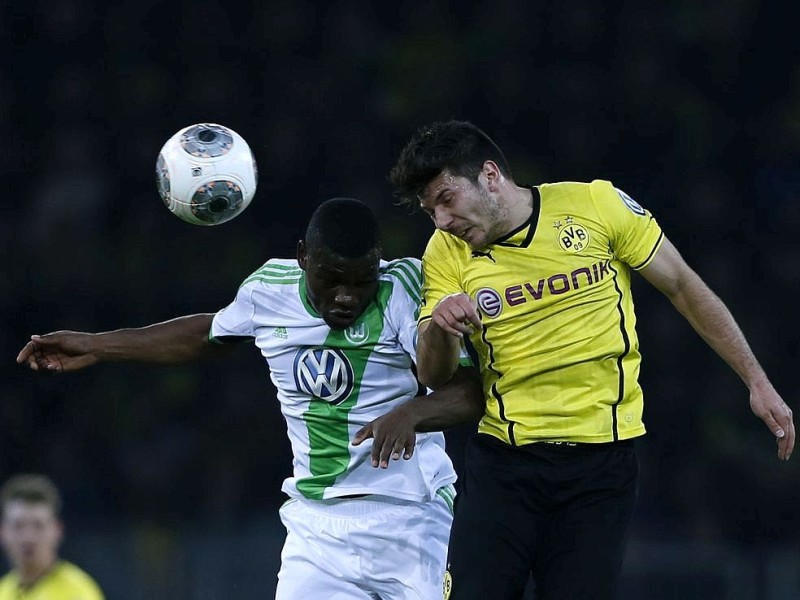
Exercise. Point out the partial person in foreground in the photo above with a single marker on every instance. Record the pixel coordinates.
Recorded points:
(538, 278)
(338, 327)
(31, 532)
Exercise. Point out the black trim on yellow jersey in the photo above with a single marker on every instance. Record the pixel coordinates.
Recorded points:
(531, 224)
(501, 409)
(627, 348)
(656, 246)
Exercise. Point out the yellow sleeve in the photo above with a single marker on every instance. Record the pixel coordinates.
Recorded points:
(633, 231)
(439, 272)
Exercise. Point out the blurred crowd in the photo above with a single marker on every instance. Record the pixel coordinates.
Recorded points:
(691, 108)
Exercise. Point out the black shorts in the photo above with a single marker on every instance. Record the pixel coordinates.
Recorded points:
(559, 512)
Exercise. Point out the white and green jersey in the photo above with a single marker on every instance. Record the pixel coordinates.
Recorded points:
(332, 382)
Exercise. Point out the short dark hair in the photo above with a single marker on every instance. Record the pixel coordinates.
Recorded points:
(458, 146)
(31, 487)
(345, 226)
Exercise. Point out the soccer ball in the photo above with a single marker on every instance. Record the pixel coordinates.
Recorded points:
(206, 174)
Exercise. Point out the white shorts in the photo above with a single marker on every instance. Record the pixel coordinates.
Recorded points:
(367, 548)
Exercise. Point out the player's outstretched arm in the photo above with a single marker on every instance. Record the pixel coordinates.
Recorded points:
(709, 316)
(394, 434)
(175, 341)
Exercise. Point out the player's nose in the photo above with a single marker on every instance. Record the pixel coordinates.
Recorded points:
(346, 297)
(442, 219)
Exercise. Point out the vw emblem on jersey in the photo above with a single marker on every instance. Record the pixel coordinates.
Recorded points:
(489, 301)
(357, 334)
(572, 236)
(325, 373)
(634, 206)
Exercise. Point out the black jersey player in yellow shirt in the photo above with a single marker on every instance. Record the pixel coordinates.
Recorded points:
(539, 280)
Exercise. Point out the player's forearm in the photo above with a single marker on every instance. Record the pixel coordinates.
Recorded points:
(458, 401)
(437, 355)
(712, 320)
(175, 341)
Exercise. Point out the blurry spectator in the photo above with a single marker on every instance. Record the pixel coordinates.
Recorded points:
(31, 531)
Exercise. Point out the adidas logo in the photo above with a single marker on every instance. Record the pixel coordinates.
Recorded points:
(280, 332)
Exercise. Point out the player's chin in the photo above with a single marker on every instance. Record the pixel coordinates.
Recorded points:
(339, 320)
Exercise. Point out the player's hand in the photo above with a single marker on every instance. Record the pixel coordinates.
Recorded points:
(768, 406)
(393, 436)
(457, 314)
(60, 352)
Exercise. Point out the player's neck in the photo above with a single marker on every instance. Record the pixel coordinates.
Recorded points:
(519, 206)
(29, 575)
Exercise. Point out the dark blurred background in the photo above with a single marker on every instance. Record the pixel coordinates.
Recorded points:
(172, 476)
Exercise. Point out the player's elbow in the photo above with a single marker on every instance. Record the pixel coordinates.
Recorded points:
(437, 356)
(433, 376)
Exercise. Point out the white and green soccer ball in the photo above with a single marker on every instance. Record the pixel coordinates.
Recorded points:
(206, 174)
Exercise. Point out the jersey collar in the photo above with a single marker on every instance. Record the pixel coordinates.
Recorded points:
(521, 236)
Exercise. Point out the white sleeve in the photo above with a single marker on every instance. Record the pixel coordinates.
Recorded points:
(405, 303)
(235, 321)
(403, 308)
(405, 316)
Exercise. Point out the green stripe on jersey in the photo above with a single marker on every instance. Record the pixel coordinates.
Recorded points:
(327, 424)
(410, 275)
(448, 494)
(275, 273)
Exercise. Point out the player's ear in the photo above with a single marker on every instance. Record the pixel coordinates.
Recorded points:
(492, 174)
(302, 254)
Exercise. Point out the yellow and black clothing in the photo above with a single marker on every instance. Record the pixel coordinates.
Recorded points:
(558, 350)
(549, 480)
(64, 581)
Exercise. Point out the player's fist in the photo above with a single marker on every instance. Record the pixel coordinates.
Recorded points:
(457, 314)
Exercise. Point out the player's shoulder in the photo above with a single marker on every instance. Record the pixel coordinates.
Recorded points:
(401, 267)
(579, 188)
(72, 572)
(406, 271)
(72, 579)
(594, 195)
(275, 272)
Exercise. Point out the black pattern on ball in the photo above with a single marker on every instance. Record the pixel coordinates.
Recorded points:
(162, 180)
(216, 201)
(207, 140)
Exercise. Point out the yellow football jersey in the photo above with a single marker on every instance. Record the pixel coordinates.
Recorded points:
(558, 349)
(64, 581)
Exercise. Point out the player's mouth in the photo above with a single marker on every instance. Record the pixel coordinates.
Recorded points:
(460, 233)
(465, 235)
(340, 319)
